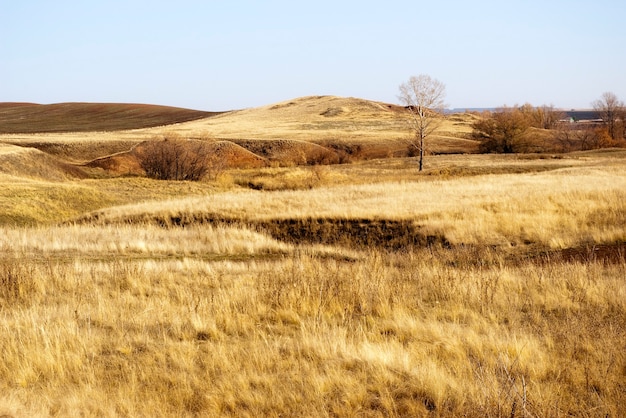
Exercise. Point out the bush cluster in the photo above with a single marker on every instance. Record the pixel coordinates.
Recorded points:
(174, 158)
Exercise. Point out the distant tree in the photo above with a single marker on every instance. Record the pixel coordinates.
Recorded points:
(577, 137)
(612, 112)
(423, 98)
(550, 116)
(174, 158)
(542, 117)
(502, 131)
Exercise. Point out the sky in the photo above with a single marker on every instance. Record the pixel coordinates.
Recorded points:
(223, 55)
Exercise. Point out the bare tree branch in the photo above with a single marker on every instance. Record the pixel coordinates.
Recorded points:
(612, 111)
(174, 158)
(423, 98)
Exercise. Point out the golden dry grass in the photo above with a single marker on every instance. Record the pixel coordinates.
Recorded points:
(132, 297)
(330, 118)
(110, 321)
(557, 209)
(33, 201)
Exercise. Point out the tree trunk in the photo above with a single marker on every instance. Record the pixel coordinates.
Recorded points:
(421, 154)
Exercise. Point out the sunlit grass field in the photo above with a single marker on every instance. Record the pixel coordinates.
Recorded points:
(485, 286)
(116, 315)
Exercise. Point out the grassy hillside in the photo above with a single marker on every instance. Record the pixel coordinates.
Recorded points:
(303, 131)
(87, 117)
(323, 118)
(484, 286)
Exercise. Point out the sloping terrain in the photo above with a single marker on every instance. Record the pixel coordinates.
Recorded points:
(228, 154)
(291, 152)
(302, 131)
(377, 129)
(321, 118)
(307, 118)
(34, 164)
(87, 117)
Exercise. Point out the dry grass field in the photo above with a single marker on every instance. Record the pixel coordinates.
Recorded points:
(485, 286)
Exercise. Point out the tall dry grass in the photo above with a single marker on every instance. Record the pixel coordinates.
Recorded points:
(32, 201)
(555, 209)
(138, 321)
(108, 318)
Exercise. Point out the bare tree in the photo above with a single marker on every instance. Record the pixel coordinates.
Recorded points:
(611, 110)
(542, 117)
(423, 98)
(577, 137)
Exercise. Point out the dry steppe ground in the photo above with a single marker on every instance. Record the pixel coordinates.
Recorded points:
(485, 286)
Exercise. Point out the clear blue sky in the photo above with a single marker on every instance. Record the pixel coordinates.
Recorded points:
(219, 55)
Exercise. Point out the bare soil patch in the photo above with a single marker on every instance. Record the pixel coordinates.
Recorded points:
(611, 253)
(614, 253)
(355, 233)
(87, 117)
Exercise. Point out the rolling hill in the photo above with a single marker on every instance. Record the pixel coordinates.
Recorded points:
(310, 118)
(305, 130)
(88, 117)
(31, 163)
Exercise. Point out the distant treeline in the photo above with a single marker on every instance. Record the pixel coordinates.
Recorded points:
(576, 115)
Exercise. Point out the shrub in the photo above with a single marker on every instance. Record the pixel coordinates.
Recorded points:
(503, 132)
(174, 158)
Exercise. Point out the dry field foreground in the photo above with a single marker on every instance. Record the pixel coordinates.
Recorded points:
(486, 286)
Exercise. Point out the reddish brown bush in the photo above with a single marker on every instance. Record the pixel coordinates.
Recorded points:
(174, 158)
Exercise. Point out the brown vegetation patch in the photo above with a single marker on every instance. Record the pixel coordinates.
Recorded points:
(227, 154)
(123, 163)
(353, 233)
(332, 111)
(357, 150)
(236, 156)
(614, 253)
(291, 152)
(86, 117)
